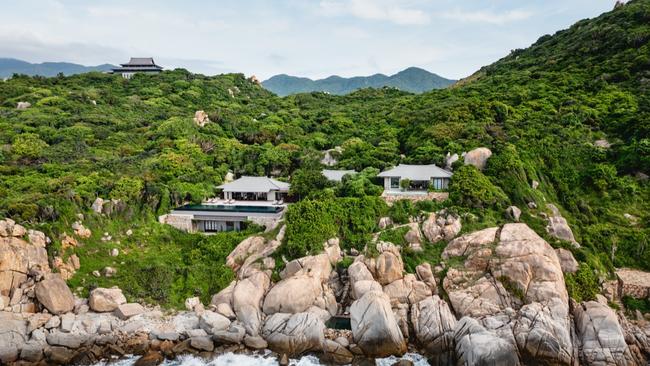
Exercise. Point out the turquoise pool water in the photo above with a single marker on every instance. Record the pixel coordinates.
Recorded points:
(231, 208)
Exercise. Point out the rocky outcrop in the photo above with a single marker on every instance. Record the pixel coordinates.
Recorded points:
(478, 157)
(513, 213)
(304, 290)
(388, 266)
(374, 326)
(441, 225)
(247, 299)
(18, 257)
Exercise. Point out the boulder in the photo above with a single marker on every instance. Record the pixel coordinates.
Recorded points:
(441, 225)
(225, 310)
(293, 295)
(385, 222)
(542, 334)
(13, 335)
(407, 290)
(247, 298)
(336, 353)
(255, 342)
(433, 324)
(201, 118)
(126, 311)
(477, 346)
(213, 322)
(558, 227)
(202, 343)
(70, 340)
(478, 157)
(388, 266)
(425, 274)
(413, 235)
(294, 334)
(234, 334)
(23, 105)
(467, 243)
(601, 336)
(151, 358)
(450, 159)
(374, 327)
(54, 295)
(513, 213)
(567, 261)
(37, 238)
(105, 299)
(224, 296)
(98, 205)
(359, 288)
(192, 302)
(249, 251)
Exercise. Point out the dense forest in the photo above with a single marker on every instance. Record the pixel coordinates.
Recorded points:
(540, 110)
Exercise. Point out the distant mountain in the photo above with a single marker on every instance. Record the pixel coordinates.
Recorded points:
(413, 79)
(10, 66)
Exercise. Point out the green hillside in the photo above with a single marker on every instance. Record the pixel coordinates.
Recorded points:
(539, 110)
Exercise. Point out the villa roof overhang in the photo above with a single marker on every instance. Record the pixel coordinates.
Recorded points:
(248, 184)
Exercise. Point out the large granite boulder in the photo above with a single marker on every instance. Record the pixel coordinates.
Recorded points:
(433, 324)
(294, 334)
(601, 337)
(13, 335)
(374, 327)
(54, 294)
(105, 299)
(247, 301)
(475, 345)
(478, 157)
(293, 295)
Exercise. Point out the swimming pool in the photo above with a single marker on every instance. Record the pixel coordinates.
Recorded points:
(231, 208)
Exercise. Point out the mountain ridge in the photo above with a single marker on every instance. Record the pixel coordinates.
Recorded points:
(412, 79)
(10, 66)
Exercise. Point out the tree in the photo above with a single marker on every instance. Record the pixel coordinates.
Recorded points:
(306, 181)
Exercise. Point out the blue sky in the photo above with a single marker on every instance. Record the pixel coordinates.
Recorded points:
(313, 38)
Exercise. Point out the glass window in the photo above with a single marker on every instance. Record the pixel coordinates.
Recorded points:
(394, 182)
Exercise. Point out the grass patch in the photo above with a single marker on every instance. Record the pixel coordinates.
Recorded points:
(395, 236)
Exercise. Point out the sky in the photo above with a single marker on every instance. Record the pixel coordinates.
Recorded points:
(311, 38)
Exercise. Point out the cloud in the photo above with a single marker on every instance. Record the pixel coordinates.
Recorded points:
(381, 10)
(487, 16)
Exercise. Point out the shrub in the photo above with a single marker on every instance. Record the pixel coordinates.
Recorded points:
(469, 187)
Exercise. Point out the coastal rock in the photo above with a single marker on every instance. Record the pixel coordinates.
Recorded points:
(212, 322)
(54, 295)
(303, 290)
(126, 311)
(433, 324)
(13, 334)
(105, 299)
(388, 266)
(336, 353)
(385, 222)
(294, 334)
(234, 334)
(477, 346)
(374, 327)
(601, 336)
(247, 299)
(425, 274)
(98, 205)
(478, 157)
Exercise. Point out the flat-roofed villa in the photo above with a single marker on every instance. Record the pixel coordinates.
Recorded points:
(421, 178)
(337, 175)
(248, 199)
(138, 65)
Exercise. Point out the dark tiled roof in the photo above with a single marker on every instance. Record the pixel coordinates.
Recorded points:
(140, 61)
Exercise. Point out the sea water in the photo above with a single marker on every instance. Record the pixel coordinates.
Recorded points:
(262, 359)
